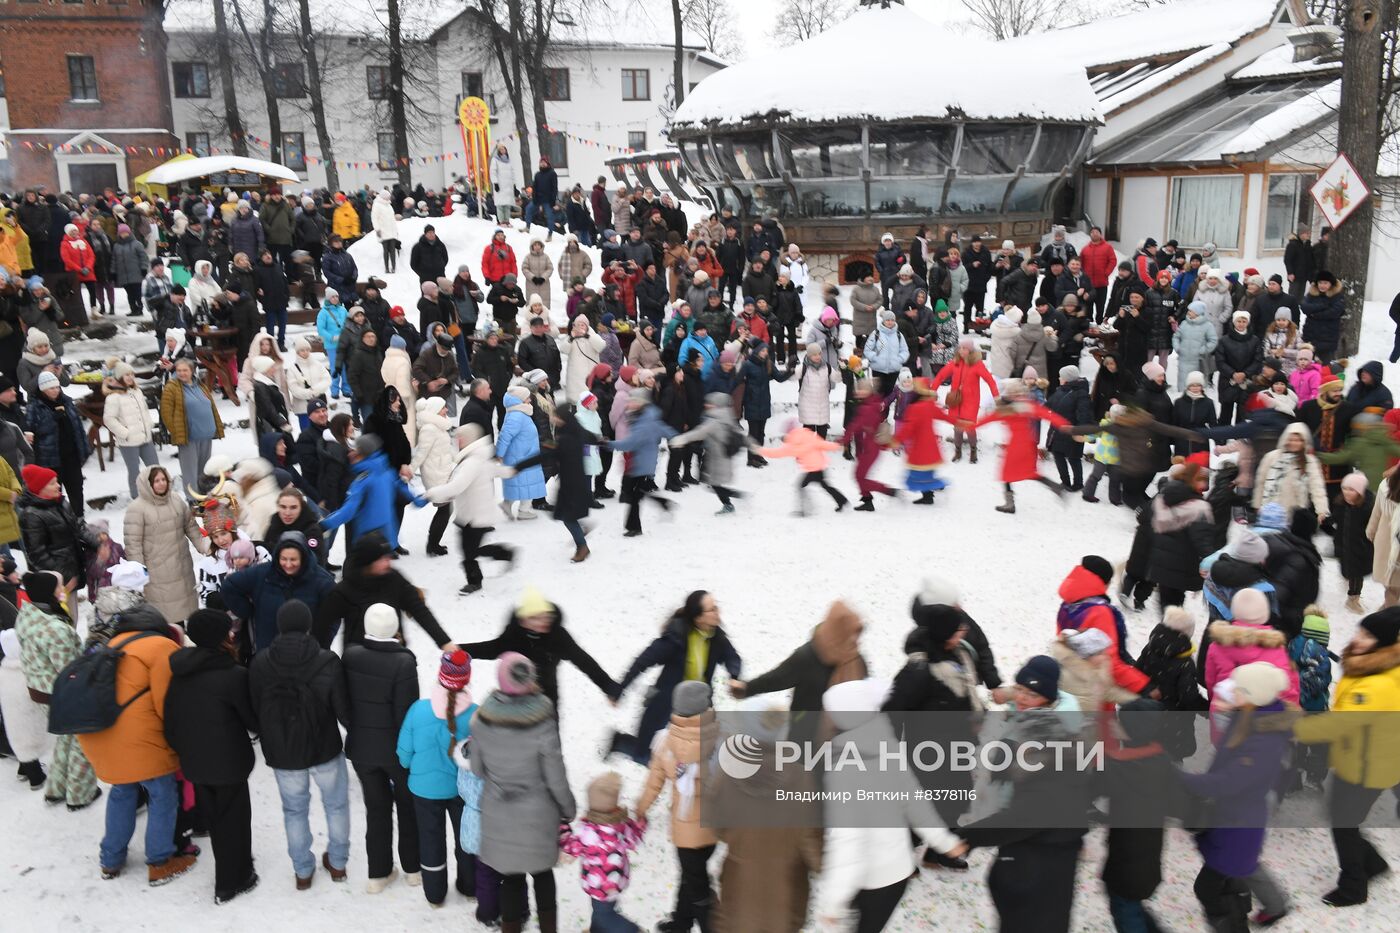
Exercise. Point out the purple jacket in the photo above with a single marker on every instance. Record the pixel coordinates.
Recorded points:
(1237, 784)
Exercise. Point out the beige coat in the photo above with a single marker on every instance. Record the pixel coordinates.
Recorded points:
(158, 532)
(536, 265)
(397, 371)
(1090, 680)
(125, 414)
(434, 455)
(1290, 488)
(584, 353)
(278, 374)
(681, 744)
(1384, 531)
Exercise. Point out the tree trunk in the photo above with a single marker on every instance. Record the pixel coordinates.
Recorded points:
(266, 36)
(318, 104)
(1358, 136)
(237, 134)
(680, 51)
(398, 116)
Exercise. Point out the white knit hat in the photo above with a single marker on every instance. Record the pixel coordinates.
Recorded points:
(381, 622)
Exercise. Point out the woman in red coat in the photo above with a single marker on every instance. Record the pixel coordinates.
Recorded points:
(964, 375)
(77, 255)
(923, 452)
(1021, 461)
(497, 259)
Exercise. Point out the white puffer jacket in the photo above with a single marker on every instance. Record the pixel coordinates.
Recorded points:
(434, 455)
(125, 414)
(258, 503)
(307, 379)
(381, 215)
(1005, 332)
(472, 486)
(397, 371)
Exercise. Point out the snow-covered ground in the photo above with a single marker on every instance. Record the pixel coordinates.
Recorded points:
(773, 575)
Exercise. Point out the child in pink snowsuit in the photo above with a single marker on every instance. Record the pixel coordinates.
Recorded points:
(601, 841)
(809, 450)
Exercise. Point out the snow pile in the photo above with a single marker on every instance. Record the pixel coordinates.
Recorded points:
(1181, 26)
(172, 172)
(886, 65)
(1278, 63)
(1116, 99)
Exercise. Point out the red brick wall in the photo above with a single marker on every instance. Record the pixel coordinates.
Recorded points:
(127, 44)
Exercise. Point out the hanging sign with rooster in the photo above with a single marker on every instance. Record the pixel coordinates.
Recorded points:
(1339, 191)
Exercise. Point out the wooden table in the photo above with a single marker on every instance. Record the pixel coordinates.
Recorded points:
(218, 355)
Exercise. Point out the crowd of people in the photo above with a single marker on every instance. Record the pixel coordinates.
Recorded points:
(218, 609)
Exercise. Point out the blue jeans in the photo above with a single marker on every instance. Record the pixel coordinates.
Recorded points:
(585, 237)
(333, 781)
(606, 919)
(1130, 916)
(339, 384)
(277, 321)
(533, 209)
(161, 808)
(576, 532)
(464, 365)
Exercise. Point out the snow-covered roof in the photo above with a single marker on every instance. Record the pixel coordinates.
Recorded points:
(1282, 123)
(185, 169)
(419, 18)
(1119, 88)
(821, 80)
(1278, 63)
(1172, 28)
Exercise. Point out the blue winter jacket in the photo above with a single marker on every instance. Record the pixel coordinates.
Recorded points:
(645, 433)
(369, 503)
(255, 593)
(329, 321)
(340, 271)
(704, 346)
(44, 424)
(886, 350)
(520, 440)
(756, 379)
(422, 749)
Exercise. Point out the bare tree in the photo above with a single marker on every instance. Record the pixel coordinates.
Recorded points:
(262, 55)
(712, 21)
(306, 41)
(504, 22)
(1006, 19)
(801, 21)
(678, 69)
(223, 50)
(398, 116)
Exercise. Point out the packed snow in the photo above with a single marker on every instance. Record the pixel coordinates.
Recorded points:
(1278, 63)
(837, 76)
(774, 576)
(1287, 122)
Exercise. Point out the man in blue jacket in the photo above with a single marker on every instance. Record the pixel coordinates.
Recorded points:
(698, 342)
(370, 502)
(256, 593)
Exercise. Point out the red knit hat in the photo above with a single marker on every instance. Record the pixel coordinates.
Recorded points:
(37, 477)
(455, 670)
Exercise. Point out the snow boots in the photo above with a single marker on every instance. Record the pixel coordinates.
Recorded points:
(867, 503)
(1009, 505)
(972, 451)
(924, 499)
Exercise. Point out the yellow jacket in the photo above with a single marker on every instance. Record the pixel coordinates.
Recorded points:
(15, 247)
(9, 520)
(1364, 724)
(345, 221)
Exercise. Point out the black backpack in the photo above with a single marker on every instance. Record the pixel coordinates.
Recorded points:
(733, 440)
(84, 697)
(291, 714)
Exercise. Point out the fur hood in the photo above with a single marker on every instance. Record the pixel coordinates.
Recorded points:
(1234, 635)
(1371, 663)
(1332, 292)
(1171, 518)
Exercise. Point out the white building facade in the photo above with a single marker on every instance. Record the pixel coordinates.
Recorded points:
(607, 91)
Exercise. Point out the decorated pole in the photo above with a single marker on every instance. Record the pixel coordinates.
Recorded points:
(475, 119)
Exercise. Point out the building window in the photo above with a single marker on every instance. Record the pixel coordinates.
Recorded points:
(387, 158)
(289, 80)
(1287, 207)
(294, 151)
(1206, 209)
(637, 139)
(377, 81)
(82, 78)
(471, 84)
(191, 79)
(198, 143)
(556, 84)
(555, 148)
(636, 84)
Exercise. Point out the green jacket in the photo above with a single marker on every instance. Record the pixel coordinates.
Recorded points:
(278, 222)
(1370, 449)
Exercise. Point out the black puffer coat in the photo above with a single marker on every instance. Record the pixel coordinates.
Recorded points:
(208, 715)
(547, 650)
(381, 680)
(295, 656)
(1237, 353)
(53, 538)
(1193, 413)
(1119, 385)
(1183, 533)
(1071, 402)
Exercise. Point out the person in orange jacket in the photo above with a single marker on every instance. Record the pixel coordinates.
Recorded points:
(809, 450)
(1020, 460)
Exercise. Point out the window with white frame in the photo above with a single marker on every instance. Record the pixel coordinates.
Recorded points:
(636, 84)
(637, 140)
(1287, 206)
(387, 158)
(191, 79)
(1206, 209)
(198, 143)
(377, 82)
